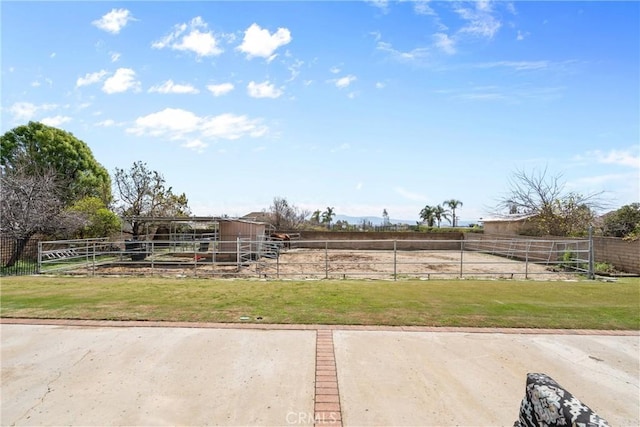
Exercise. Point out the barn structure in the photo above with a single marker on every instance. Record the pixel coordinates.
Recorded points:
(511, 224)
(218, 238)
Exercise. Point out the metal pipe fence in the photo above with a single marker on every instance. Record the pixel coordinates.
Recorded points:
(321, 259)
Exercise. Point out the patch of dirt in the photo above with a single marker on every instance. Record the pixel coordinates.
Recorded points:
(341, 264)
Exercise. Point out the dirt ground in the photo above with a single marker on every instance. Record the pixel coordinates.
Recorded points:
(342, 264)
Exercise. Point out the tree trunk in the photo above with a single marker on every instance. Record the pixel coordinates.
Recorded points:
(17, 251)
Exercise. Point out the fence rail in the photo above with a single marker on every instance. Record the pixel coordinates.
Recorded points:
(298, 259)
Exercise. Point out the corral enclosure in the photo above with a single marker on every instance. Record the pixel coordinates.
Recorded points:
(323, 259)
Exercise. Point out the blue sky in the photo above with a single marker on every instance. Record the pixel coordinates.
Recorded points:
(359, 106)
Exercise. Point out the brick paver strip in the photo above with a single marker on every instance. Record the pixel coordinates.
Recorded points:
(327, 411)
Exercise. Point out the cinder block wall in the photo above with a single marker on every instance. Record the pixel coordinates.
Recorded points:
(623, 254)
(382, 240)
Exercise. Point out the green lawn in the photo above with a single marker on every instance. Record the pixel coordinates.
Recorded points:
(480, 303)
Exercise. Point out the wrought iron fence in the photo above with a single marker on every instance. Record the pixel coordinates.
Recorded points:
(19, 256)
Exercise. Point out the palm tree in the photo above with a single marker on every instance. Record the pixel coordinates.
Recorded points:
(427, 215)
(440, 213)
(453, 205)
(315, 217)
(327, 216)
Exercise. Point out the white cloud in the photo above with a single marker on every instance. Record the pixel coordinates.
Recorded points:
(480, 21)
(263, 90)
(345, 81)
(220, 89)
(170, 87)
(170, 121)
(412, 55)
(178, 124)
(230, 126)
(22, 111)
(114, 21)
(106, 123)
(334, 70)
(123, 80)
(445, 43)
(52, 55)
(380, 85)
(115, 56)
(35, 83)
(516, 65)
(616, 157)
(193, 36)
(383, 5)
(55, 121)
(421, 7)
(91, 78)
(259, 42)
(294, 69)
(195, 145)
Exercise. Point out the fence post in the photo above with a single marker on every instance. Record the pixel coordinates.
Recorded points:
(461, 257)
(39, 257)
(93, 257)
(395, 259)
(526, 260)
(326, 259)
(591, 263)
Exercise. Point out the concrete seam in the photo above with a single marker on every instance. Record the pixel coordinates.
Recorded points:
(303, 327)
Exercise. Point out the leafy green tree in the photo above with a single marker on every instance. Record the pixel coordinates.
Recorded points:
(453, 204)
(624, 222)
(98, 220)
(440, 213)
(142, 195)
(42, 146)
(327, 216)
(427, 214)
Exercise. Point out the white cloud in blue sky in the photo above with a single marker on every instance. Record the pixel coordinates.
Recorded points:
(114, 21)
(362, 106)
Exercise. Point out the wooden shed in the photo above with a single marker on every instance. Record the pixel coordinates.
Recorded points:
(511, 224)
(239, 238)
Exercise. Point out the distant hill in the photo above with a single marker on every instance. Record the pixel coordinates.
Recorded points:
(376, 220)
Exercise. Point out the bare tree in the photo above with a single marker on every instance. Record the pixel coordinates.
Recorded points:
(553, 211)
(29, 204)
(286, 216)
